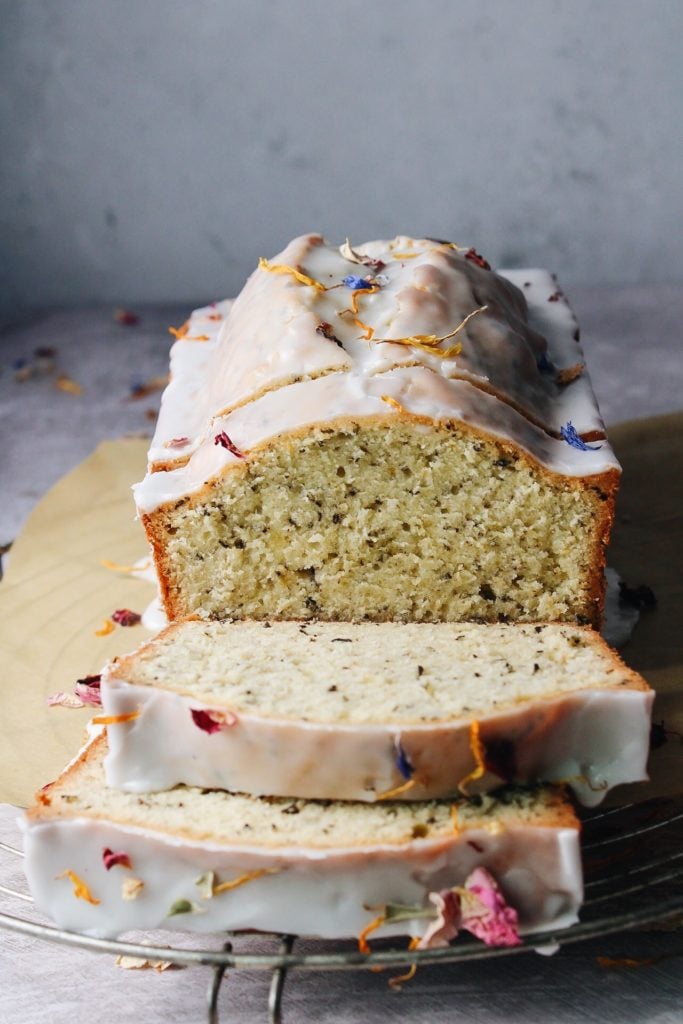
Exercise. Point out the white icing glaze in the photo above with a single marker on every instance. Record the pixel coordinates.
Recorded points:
(592, 739)
(182, 412)
(312, 892)
(348, 396)
(271, 337)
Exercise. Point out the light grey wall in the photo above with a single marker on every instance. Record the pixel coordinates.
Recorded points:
(153, 149)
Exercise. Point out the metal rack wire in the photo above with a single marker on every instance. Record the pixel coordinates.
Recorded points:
(633, 858)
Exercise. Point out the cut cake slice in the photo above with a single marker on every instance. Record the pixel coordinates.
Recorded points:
(102, 862)
(376, 710)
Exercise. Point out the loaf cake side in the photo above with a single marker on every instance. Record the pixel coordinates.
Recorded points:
(103, 862)
(366, 712)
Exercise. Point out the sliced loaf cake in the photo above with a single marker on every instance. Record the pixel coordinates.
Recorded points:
(102, 862)
(375, 711)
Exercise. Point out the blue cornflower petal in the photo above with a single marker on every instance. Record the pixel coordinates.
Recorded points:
(568, 432)
(544, 364)
(402, 760)
(357, 283)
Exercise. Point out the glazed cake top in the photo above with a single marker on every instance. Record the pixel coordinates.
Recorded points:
(358, 314)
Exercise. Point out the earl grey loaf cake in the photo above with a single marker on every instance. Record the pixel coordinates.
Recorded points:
(373, 711)
(102, 862)
(386, 432)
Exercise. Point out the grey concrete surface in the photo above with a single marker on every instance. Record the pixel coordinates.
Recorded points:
(632, 337)
(152, 149)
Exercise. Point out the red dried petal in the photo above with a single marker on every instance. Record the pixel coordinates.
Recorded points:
(474, 257)
(111, 859)
(176, 442)
(224, 441)
(212, 721)
(126, 317)
(125, 617)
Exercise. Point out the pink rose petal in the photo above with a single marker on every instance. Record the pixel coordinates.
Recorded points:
(88, 690)
(65, 700)
(445, 927)
(487, 915)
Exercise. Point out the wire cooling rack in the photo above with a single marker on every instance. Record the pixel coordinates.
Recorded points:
(633, 862)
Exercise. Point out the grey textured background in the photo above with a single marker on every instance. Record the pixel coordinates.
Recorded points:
(153, 149)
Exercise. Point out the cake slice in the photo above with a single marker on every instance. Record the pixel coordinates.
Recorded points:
(391, 432)
(374, 710)
(102, 862)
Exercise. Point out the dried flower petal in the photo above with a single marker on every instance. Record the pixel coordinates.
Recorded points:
(138, 963)
(474, 257)
(327, 331)
(111, 859)
(282, 268)
(23, 370)
(65, 383)
(556, 296)
(177, 442)
(107, 628)
(44, 357)
(64, 700)
(213, 721)
(184, 907)
(142, 389)
(115, 567)
(370, 290)
(403, 762)
(224, 441)
(126, 317)
(543, 363)
(205, 884)
(569, 374)
(129, 716)
(125, 617)
(248, 876)
(393, 403)
(363, 945)
(479, 754)
(487, 915)
(446, 925)
(352, 256)
(180, 332)
(570, 435)
(81, 890)
(389, 794)
(356, 283)
(88, 690)
(430, 342)
(131, 888)
(397, 983)
(368, 331)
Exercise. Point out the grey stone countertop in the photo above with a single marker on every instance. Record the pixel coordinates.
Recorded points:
(632, 338)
